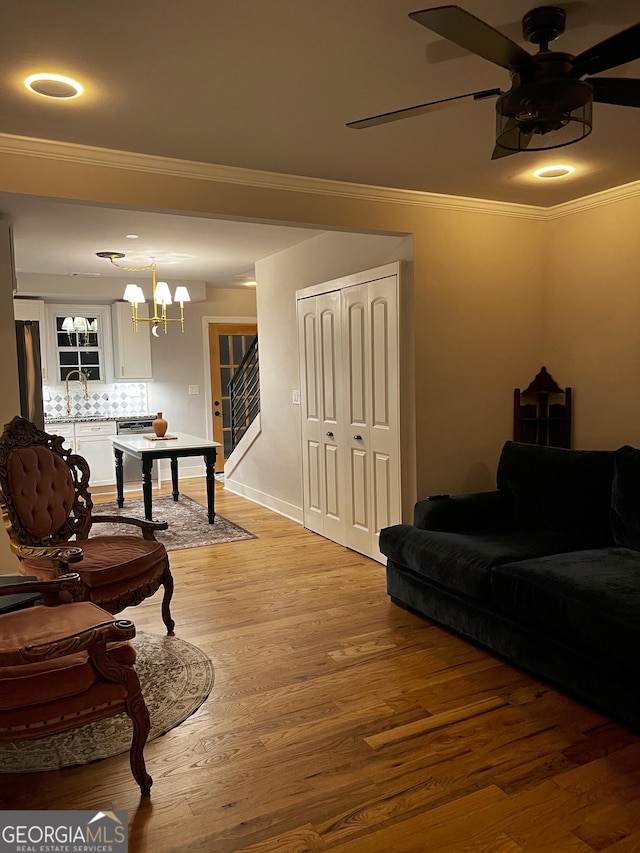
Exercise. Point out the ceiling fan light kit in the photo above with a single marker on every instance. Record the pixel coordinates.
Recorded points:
(548, 105)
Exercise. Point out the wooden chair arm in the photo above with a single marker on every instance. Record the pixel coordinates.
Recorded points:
(115, 630)
(148, 527)
(60, 555)
(62, 590)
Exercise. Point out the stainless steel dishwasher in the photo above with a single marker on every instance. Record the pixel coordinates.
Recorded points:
(131, 467)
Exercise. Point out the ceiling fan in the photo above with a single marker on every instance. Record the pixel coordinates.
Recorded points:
(548, 104)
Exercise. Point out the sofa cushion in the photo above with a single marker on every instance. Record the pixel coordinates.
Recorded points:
(559, 490)
(463, 561)
(590, 599)
(625, 500)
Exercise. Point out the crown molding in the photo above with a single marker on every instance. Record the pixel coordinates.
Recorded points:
(48, 149)
(589, 202)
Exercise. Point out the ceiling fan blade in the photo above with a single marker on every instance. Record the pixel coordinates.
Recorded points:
(624, 91)
(617, 50)
(421, 109)
(464, 29)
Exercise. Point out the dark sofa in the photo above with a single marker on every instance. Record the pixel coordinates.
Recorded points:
(544, 571)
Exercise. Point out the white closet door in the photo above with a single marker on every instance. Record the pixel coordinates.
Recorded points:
(321, 404)
(355, 437)
(384, 432)
(332, 451)
(350, 408)
(310, 414)
(370, 343)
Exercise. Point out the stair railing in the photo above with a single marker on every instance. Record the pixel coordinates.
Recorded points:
(244, 393)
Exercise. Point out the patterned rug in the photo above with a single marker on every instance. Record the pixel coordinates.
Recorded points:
(176, 678)
(188, 523)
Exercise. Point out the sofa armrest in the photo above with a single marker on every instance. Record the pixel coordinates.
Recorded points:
(458, 513)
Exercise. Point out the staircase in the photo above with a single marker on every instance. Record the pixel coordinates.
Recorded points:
(244, 393)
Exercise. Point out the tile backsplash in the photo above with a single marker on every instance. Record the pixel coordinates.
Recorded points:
(124, 399)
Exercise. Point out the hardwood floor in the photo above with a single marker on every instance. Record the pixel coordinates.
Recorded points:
(339, 722)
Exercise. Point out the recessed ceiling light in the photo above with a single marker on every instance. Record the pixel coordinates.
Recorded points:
(249, 283)
(556, 171)
(132, 236)
(54, 86)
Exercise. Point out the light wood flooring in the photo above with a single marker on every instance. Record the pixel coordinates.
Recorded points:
(339, 722)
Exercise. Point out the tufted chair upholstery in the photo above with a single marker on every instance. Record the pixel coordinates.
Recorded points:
(47, 510)
(67, 665)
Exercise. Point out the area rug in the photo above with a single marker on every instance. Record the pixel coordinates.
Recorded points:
(188, 523)
(176, 678)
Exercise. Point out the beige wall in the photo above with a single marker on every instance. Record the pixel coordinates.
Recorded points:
(272, 471)
(484, 278)
(592, 328)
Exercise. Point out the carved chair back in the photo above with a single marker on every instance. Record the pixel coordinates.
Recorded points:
(43, 487)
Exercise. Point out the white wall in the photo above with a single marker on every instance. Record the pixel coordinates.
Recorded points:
(271, 472)
(178, 360)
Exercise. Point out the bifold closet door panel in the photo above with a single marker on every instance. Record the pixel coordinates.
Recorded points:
(310, 415)
(370, 343)
(319, 342)
(328, 307)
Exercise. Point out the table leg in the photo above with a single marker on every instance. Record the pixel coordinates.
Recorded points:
(174, 477)
(147, 493)
(119, 477)
(210, 465)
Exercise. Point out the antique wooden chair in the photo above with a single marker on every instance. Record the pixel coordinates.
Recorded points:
(67, 665)
(44, 493)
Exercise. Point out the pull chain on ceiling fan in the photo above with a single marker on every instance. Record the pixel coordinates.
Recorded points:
(548, 104)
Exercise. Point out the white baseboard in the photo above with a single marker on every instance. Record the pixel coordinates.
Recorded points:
(290, 511)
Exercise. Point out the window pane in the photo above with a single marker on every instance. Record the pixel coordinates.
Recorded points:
(67, 340)
(90, 357)
(226, 412)
(225, 376)
(68, 359)
(224, 349)
(238, 349)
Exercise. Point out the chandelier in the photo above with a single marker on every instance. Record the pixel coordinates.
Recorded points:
(161, 295)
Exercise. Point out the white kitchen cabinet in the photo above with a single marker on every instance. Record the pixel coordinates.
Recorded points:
(33, 309)
(131, 347)
(64, 429)
(93, 441)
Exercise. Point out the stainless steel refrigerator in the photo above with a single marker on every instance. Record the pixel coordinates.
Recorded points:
(30, 371)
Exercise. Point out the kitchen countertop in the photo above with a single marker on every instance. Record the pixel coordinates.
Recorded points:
(71, 419)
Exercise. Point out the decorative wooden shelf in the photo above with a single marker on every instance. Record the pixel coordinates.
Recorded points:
(542, 413)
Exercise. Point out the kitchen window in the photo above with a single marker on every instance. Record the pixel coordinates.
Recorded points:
(81, 340)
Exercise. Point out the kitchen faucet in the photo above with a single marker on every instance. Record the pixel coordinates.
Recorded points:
(83, 379)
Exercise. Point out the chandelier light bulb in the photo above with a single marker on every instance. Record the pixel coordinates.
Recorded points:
(162, 294)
